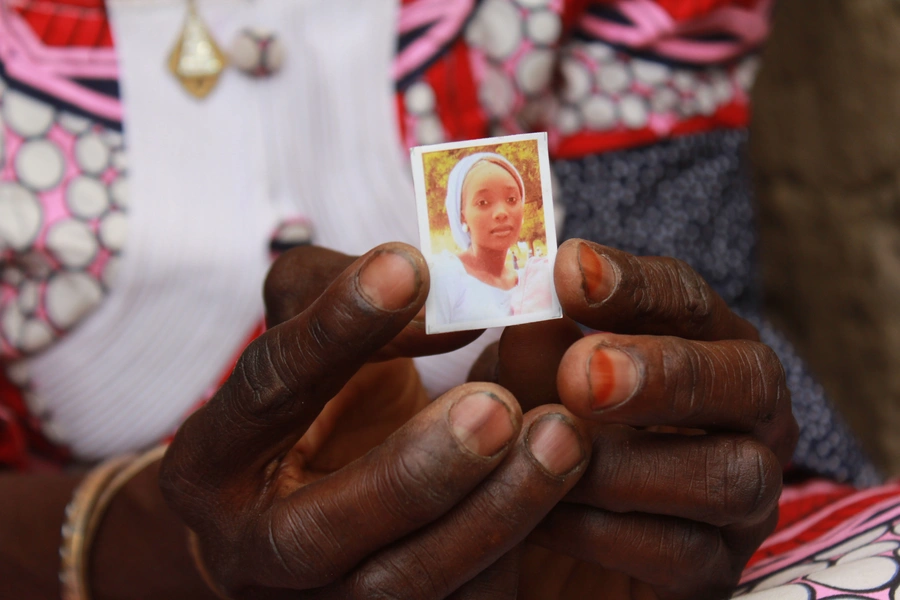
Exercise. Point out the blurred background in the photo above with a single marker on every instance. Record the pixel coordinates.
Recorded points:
(825, 145)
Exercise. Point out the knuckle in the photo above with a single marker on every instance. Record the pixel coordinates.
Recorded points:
(696, 298)
(262, 381)
(752, 482)
(689, 372)
(278, 287)
(304, 548)
(684, 545)
(388, 577)
(766, 378)
(406, 486)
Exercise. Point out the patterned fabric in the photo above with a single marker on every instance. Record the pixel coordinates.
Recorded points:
(63, 194)
(567, 67)
(835, 543)
(690, 198)
(463, 69)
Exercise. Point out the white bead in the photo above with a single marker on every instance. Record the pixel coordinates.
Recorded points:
(543, 27)
(28, 297)
(72, 243)
(576, 80)
(112, 231)
(20, 216)
(706, 99)
(745, 73)
(70, 296)
(91, 154)
(650, 73)
(429, 130)
(633, 111)
(419, 98)
(39, 164)
(599, 112)
(256, 52)
(664, 100)
(535, 70)
(614, 78)
(74, 124)
(87, 197)
(496, 93)
(110, 272)
(568, 120)
(497, 28)
(118, 189)
(36, 335)
(25, 115)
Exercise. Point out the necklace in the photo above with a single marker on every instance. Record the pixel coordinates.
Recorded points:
(198, 61)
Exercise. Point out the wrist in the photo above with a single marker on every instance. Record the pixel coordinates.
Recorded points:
(141, 549)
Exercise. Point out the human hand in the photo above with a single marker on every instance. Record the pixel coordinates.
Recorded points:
(418, 516)
(657, 515)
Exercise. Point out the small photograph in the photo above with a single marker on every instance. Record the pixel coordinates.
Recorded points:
(486, 225)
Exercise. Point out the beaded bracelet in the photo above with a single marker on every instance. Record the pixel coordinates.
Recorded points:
(84, 514)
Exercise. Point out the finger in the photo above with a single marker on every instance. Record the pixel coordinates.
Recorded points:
(299, 276)
(529, 357)
(716, 479)
(315, 534)
(547, 459)
(412, 341)
(500, 581)
(485, 366)
(283, 378)
(611, 290)
(681, 559)
(736, 386)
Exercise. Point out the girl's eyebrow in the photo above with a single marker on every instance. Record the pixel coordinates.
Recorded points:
(509, 188)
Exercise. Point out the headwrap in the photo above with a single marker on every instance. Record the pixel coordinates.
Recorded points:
(455, 188)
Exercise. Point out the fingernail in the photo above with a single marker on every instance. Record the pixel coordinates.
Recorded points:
(481, 423)
(613, 377)
(600, 278)
(553, 442)
(389, 280)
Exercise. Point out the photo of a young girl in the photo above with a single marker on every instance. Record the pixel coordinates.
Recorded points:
(487, 232)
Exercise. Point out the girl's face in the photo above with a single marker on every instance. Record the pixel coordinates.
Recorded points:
(492, 206)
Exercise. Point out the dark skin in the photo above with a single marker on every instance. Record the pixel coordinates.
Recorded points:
(284, 493)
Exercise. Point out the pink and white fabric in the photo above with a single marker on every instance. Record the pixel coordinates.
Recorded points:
(52, 70)
(655, 30)
(853, 554)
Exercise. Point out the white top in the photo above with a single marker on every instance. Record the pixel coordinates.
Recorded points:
(319, 139)
(459, 301)
(459, 297)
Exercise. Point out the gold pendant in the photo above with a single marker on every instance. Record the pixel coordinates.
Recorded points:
(196, 59)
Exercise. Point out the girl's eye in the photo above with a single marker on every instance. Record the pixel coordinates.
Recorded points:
(481, 202)
(512, 199)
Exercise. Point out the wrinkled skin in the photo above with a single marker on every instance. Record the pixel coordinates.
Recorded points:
(529, 488)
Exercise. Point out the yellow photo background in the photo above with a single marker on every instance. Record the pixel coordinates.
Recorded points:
(524, 156)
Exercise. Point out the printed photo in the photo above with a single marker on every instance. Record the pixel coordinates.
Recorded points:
(486, 224)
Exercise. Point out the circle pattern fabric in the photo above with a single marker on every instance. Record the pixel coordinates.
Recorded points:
(63, 193)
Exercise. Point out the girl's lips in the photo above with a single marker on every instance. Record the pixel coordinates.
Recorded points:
(504, 230)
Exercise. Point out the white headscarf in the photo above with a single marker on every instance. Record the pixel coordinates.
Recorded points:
(455, 189)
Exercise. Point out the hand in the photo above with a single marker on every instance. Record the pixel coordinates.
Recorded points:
(665, 515)
(420, 515)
